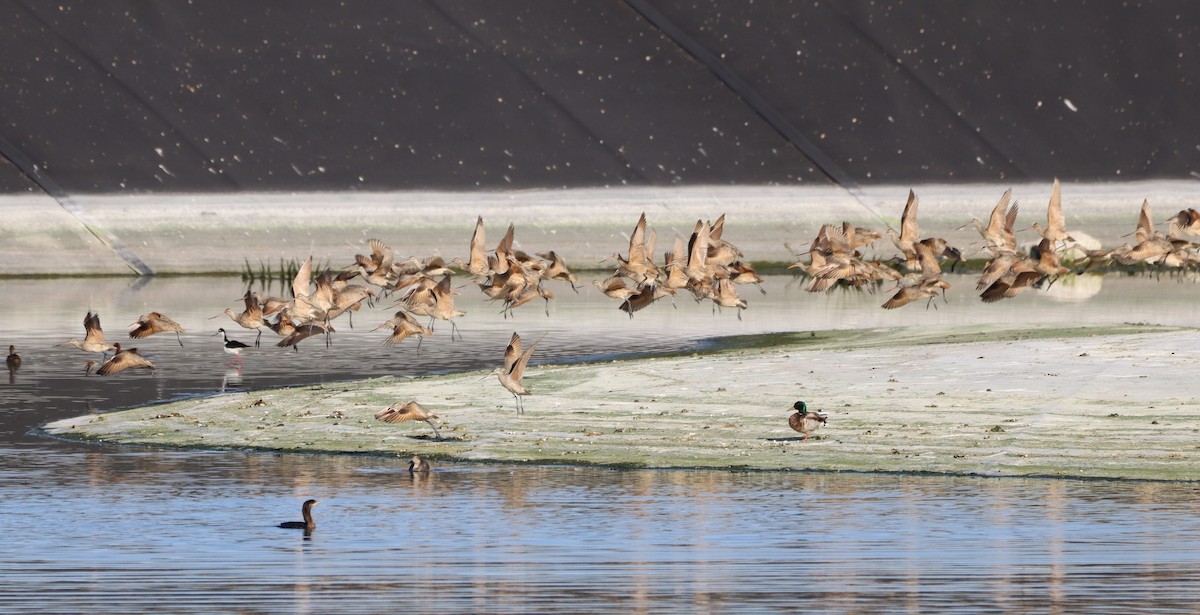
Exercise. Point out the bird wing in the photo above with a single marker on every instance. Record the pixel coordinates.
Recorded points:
(518, 369)
(379, 251)
(1145, 225)
(512, 354)
(929, 263)
(478, 251)
(997, 221)
(698, 246)
(716, 228)
(908, 220)
(1055, 220)
(91, 324)
(303, 279)
(637, 240)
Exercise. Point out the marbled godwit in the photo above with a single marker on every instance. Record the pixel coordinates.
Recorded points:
(725, 296)
(155, 322)
(283, 325)
(123, 360)
(418, 465)
(376, 269)
(308, 524)
(13, 360)
(304, 332)
(615, 288)
(1186, 221)
(477, 263)
(639, 266)
(403, 326)
(93, 341)
(1056, 222)
(441, 308)
(411, 411)
(647, 295)
(1048, 264)
(231, 347)
(515, 362)
(998, 234)
(744, 273)
(557, 270)
(249, 318)
(804, 421)
(909, 235)
(927, 286)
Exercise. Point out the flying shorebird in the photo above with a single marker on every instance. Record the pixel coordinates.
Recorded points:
(232, 347)
(515, 362)
(411, 411)
(123, 360)
(1056, 222)
(249, 318)
(909, 233)
(805, 421)
(155, 322)
(94, 340)
(998, 234)
(477, 263)
(403, 326)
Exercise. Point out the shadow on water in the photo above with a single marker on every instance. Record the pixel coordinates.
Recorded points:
(90, 526)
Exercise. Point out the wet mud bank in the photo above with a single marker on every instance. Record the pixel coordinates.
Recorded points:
(1088, 402)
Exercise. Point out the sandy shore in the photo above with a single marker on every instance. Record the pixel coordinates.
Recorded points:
(1095, 402)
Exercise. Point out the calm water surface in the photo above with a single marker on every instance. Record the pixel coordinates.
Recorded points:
(97, 528)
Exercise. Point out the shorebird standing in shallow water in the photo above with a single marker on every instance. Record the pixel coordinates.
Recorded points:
(94, 340)
(123, 360)
(804, 421)
(232, 347)
(412, 411)
(515, 362)
(155, 322)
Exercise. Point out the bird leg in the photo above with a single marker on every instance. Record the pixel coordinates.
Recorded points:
(435, 431)
(256, 340)
(453, 330)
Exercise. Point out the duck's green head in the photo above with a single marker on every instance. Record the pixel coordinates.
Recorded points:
(801, 406)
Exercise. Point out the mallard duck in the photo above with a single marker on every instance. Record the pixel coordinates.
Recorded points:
(804, 421)
(418, 465)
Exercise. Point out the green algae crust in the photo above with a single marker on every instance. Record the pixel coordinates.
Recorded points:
(1086, 402)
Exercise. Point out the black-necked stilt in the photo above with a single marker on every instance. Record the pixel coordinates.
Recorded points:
(232, 347)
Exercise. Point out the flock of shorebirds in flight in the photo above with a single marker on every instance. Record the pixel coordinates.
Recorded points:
(705, 264)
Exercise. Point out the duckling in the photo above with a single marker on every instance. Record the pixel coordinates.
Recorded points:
(804, 421)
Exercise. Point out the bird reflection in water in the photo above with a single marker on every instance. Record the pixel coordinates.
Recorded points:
(232, 378)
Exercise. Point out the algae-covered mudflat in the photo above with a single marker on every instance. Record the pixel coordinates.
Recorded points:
(1098, 402)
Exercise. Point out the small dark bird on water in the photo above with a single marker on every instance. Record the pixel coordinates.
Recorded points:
(308, 525)
(13, 361)
(418, 465)
(804, 421)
